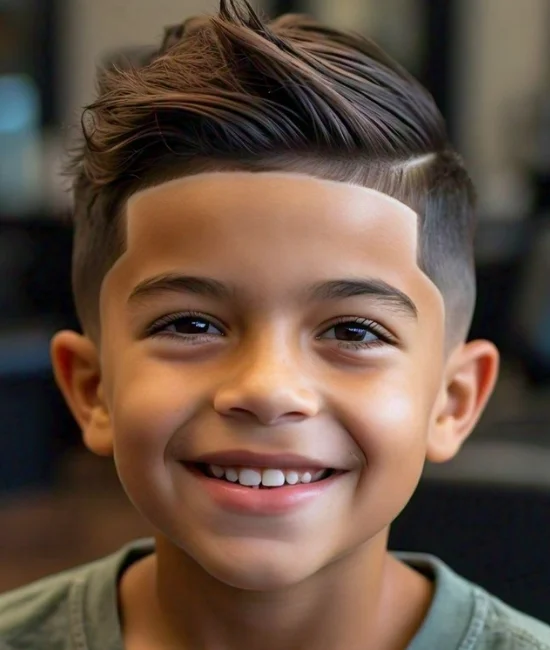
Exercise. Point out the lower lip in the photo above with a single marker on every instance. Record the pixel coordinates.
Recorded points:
(261, 501)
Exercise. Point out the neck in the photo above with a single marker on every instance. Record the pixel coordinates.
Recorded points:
(172, 602)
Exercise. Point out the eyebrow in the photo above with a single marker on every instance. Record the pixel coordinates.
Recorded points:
(324, 291)
(175, 283)
(372, 287)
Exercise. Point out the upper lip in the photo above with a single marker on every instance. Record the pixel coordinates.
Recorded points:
(242, 458)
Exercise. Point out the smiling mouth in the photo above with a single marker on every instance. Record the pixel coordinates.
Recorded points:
(264, 478)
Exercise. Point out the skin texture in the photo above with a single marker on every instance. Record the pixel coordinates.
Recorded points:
(272, 375)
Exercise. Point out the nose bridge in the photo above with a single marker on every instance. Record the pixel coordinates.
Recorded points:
(268, 380)
(269, 354)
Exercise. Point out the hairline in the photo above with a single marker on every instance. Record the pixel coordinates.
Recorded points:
(304, 175)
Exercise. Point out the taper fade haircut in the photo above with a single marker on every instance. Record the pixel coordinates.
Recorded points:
(232, 91)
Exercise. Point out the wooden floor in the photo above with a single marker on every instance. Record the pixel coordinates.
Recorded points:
(85, 518)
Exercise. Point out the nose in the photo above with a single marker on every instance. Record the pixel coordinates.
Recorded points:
(268, 389)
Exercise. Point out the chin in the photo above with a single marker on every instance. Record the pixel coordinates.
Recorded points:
(256, 578)
(258, 566)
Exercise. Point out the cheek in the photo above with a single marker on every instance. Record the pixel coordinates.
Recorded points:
(388, 418)
(150, 402)
(390, 428)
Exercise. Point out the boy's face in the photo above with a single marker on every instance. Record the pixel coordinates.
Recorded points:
(281, 316)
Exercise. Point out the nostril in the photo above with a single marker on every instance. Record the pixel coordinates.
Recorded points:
(266, 402)
(266, 418)
(237, 409)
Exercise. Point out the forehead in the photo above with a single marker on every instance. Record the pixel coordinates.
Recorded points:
(270, 230)
(238, 185)
(270, 210)
(260, 194)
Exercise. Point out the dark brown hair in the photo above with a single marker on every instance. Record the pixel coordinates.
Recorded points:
(233, 92)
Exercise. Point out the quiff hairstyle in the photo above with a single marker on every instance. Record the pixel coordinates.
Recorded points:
(231, 91)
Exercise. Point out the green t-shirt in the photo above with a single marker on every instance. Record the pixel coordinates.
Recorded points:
(77, 610)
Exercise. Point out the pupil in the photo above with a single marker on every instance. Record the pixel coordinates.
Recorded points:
(349, 333)
(191, 326)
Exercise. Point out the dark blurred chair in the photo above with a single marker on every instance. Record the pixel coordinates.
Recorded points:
(496, 536)
(35, 300)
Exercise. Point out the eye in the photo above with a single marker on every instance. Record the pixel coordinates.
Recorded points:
(357, 333)
(192, 326)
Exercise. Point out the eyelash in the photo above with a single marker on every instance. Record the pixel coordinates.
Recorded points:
(370, 326)
(156, 329)
(383, 336)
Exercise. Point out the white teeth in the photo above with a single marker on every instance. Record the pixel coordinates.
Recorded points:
(292, 477)
(217, 471)
(271, 478)
(250, 477)
(231, 475)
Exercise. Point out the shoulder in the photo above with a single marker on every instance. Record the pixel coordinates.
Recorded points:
(510, 629)
(65, 610)
(39, 611)
(464, 616)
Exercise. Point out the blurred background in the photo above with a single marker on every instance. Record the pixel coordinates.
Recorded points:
(487, 63)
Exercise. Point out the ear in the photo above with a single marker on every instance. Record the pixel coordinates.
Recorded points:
(470, 376)
(77, 372)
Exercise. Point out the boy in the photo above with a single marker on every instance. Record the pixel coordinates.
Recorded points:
(273, 270)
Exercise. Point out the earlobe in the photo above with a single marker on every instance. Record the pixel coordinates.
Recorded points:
(471, 374)
(77, 373)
